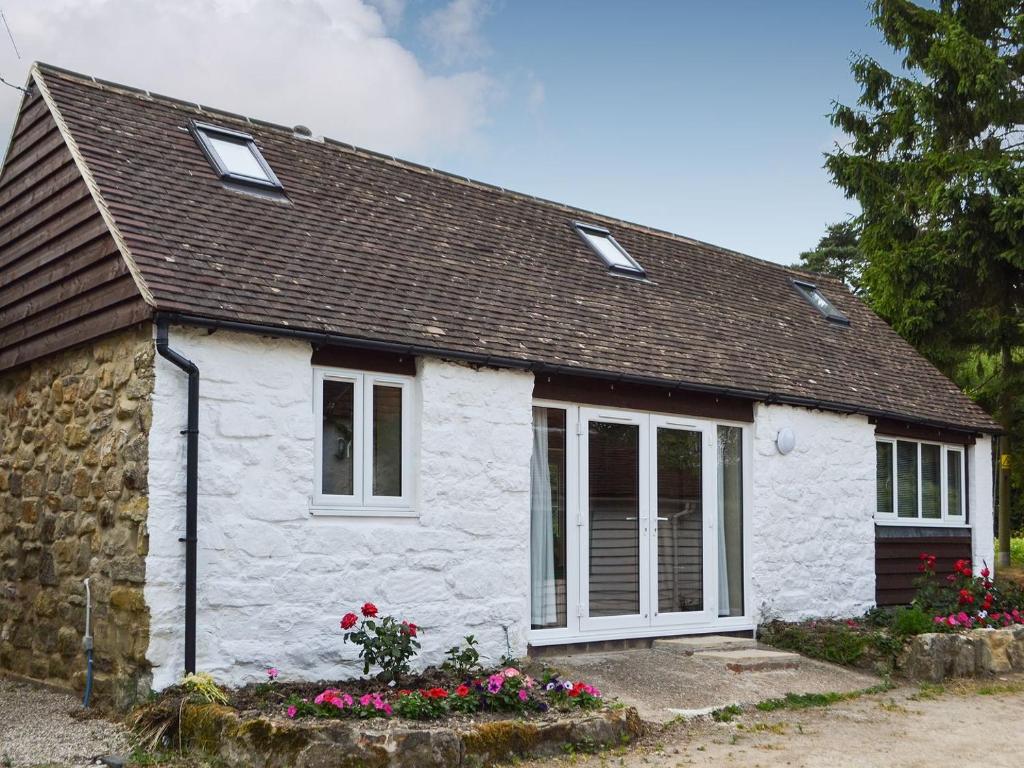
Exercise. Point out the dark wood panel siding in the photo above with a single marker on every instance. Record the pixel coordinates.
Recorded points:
(62, 279)
(897, 558)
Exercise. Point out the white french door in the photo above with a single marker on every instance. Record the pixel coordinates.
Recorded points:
(647, 527)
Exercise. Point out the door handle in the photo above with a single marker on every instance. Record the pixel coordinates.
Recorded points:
(663, 518)
(631, 518)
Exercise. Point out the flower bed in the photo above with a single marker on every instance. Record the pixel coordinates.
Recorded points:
(939, 635)
(458, 714)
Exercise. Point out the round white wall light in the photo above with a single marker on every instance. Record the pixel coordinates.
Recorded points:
(785, 441)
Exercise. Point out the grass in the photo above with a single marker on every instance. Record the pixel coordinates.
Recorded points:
(809, 700)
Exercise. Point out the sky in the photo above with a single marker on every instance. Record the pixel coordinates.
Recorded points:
(708, 119)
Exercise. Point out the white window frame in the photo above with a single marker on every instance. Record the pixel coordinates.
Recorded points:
(946, 519)
(362, 502)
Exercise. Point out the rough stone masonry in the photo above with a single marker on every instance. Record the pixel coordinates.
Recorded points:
(73, 504)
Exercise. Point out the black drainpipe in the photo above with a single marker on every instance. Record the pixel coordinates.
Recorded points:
(191, 475)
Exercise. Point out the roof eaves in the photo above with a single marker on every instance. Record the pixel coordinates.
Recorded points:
(37, 76)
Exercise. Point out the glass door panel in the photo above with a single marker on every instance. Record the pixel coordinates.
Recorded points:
(615, 500)
(680, 525)
(682, 529)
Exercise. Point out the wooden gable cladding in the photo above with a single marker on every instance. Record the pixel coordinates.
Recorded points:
(641, 397)
(62, 279)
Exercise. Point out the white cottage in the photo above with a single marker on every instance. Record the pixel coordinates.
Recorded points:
(253, 378)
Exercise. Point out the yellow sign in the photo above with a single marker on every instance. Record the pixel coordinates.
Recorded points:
(1004, 461)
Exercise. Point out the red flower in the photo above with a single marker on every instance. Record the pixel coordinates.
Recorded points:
(349, 620)
(985, 573)
(404, 692)
(413, 629)
(462, 691)
(438, 693)
(369, 610)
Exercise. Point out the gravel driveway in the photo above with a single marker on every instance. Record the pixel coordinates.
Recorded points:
(40, 727)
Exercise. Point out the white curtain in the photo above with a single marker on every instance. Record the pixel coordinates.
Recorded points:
(542, 532)
(723, 564)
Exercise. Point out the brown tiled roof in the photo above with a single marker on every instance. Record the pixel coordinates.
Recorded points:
(370, 247)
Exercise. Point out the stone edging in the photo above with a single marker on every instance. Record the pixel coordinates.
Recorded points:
(271, 742)
(934, 657)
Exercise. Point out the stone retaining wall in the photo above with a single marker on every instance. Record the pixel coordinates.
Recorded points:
(264, 742)
(938, 656)
(73, 504)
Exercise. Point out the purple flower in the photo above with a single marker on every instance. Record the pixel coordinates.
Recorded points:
(272, 673)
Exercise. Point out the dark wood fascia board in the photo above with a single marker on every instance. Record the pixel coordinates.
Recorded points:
(640, 397)
(913, 431)
(364, 359)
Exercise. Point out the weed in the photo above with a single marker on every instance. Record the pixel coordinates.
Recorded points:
(928, 691)
(726, 714)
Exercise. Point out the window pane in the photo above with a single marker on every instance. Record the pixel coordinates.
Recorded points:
(883, 478)
(237, 157)
(338, 437)
(387, 440)
(906, 478)
(730, 521)
(954, 482)
(931, 482)
(680, 521)
(614, 480)
(547, 519)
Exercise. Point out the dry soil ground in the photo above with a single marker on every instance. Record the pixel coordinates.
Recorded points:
(902, 728)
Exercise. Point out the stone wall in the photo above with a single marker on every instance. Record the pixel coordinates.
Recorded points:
(73, 483)
(935, 657)
(275, 580)
(812, 515)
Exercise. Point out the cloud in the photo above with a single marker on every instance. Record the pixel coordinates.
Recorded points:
(535, 95)
(328, 64)
(392, 11)
(453, 30)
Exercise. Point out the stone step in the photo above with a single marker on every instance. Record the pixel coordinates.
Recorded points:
(753, 659)
(687, 646)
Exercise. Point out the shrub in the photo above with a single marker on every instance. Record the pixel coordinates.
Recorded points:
(835, 642)
(383, 641)
(463, 662)
(203, 687)
(907, 622)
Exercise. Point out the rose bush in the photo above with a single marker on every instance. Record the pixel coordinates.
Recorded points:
(383, 641)
(963, 600)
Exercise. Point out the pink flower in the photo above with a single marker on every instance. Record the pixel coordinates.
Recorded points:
(511, 672)
(291, 712)
(272, 673)
(494, 683)
(522, 694)
(364, 700)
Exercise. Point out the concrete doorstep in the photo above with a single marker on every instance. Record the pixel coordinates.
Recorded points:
(690, 645)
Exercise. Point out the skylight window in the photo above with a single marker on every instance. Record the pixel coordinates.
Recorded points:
(605, 246)
(234, 155)
(817, 300)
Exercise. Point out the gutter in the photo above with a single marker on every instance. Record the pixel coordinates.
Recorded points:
(191, 486)
(769, 398)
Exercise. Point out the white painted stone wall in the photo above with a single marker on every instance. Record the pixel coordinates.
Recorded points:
(811, 515)
(979, 494)
(274, 581)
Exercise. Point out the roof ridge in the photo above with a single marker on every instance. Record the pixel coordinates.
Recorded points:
(410, 164)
